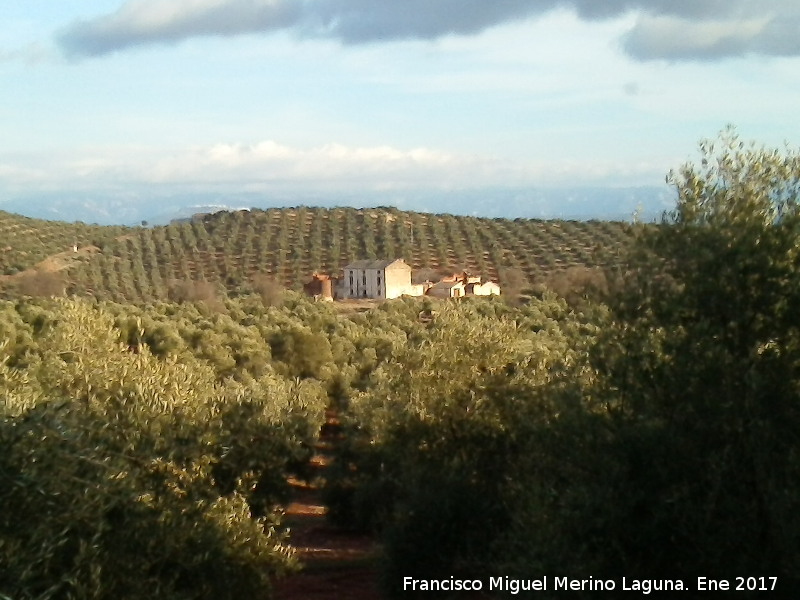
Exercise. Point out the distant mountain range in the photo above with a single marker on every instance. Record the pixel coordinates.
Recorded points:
(579, 203)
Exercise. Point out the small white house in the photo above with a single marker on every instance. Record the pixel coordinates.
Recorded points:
(447, 289)
(488, 288)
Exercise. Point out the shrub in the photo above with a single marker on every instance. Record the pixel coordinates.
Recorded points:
(125, 475)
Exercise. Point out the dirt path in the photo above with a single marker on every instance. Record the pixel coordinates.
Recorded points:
(64, 260)
(54, 263)
(336, 564)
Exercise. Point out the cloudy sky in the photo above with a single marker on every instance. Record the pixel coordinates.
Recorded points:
(144, 96)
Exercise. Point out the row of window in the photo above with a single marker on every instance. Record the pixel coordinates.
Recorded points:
(363, 282)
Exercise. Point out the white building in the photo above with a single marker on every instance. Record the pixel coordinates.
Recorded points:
(463, 284)
(447, 289)
(488, 288)
(376, 279)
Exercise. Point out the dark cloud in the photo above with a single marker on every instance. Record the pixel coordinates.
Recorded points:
(665, 29)
(680, 39)
(781, 37)
(355, 21)
(143, 22)
(690, 9)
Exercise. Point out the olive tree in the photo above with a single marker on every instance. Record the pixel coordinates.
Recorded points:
(128, 475)
(701, 374)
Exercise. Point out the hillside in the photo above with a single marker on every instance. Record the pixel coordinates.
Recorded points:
(227, 249)
(25, 242)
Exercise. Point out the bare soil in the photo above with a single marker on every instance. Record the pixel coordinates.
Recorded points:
(335, 563)
(54, 263)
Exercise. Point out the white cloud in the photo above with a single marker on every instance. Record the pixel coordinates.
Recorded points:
(332, 163)
(268, 165)
(13, 174)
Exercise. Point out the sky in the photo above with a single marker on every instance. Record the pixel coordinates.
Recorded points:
(140, 99)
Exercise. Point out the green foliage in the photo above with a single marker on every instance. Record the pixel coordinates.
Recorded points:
(655, 437)
(25, 242)
(577, 284)
(128, 475)
(709, 360)
(267, 251)
(146, 448)
(304, 352)
(434, 441)
(685, 459)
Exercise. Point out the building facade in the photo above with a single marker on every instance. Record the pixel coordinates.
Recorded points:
(386, 279)
(376, 279)
(487, 288)
(447, 289)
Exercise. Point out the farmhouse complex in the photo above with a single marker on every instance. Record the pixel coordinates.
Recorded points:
(386, 279)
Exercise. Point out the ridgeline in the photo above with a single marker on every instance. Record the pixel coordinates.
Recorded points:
(228, 249)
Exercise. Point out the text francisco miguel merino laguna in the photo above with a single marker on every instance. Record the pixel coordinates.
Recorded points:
(542, 584)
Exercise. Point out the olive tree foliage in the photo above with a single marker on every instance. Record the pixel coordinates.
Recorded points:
(730, 245)
(701, 376)
(578, 284)
(654, 437)
(126, 475)
(434, 439)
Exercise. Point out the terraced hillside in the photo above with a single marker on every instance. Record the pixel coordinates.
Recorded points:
(288, 244)
(25, 242)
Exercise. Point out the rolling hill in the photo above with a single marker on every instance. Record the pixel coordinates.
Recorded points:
(288, 244)
(25, 242)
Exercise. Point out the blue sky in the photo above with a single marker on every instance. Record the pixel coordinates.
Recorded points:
(141, 97)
